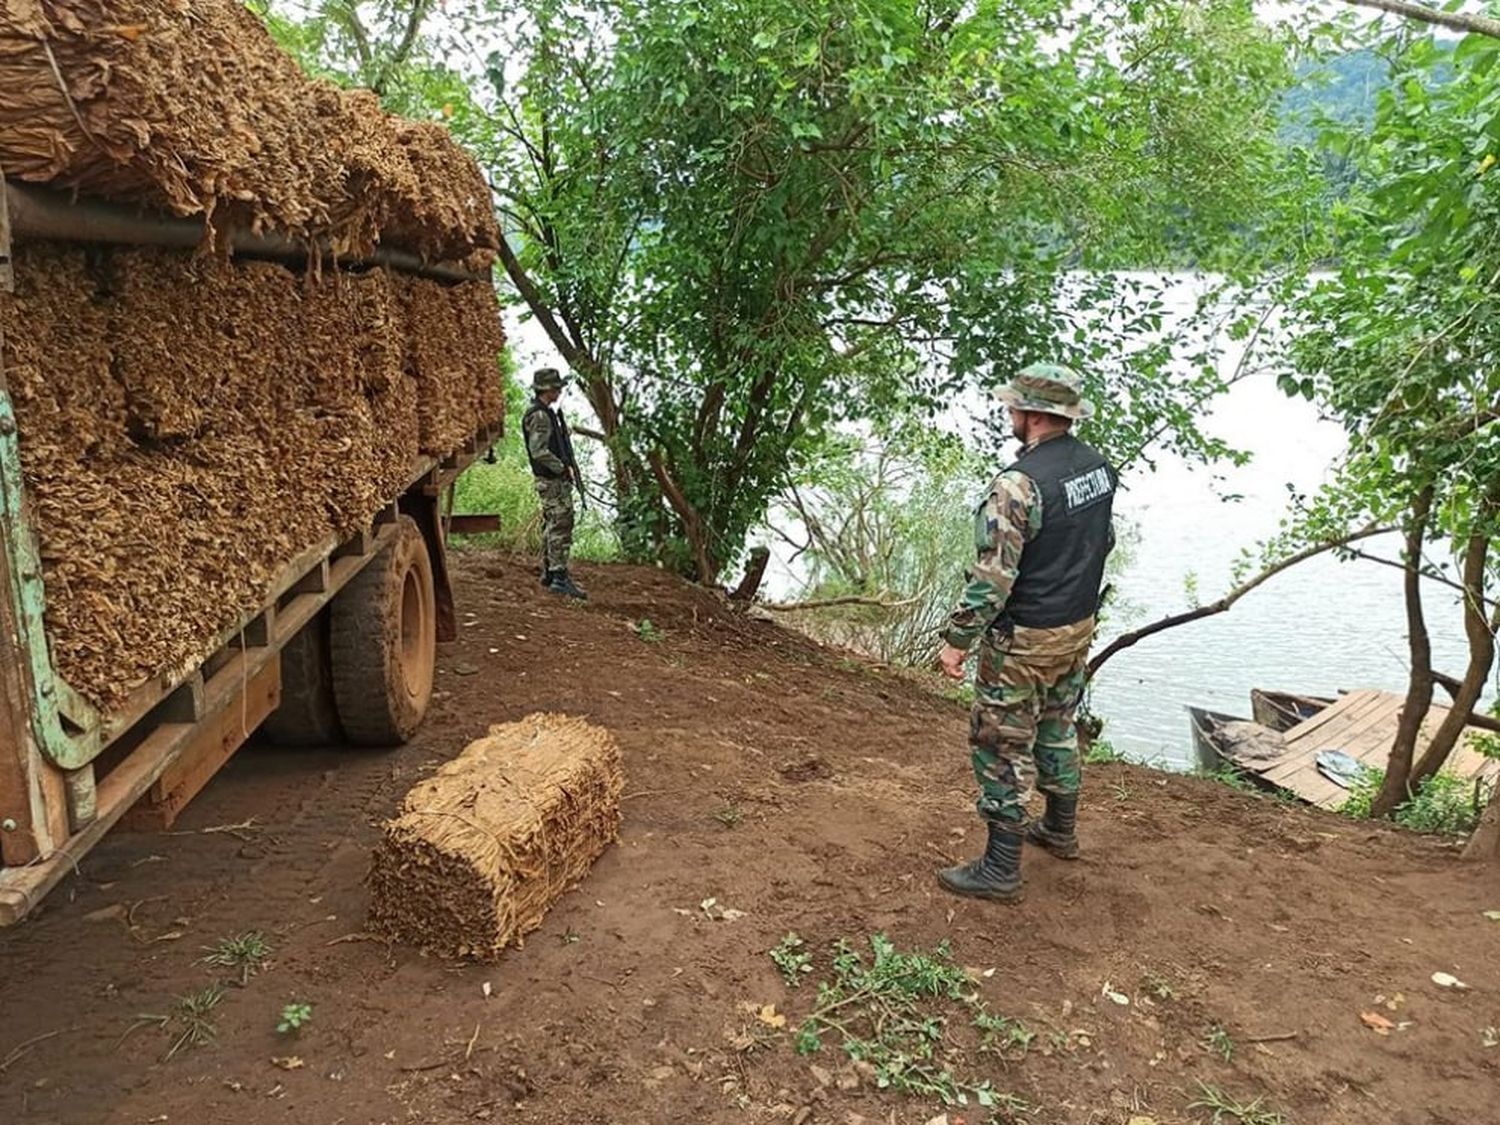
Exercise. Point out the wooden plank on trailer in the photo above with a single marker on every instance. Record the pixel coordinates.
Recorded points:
(315, 581)
(212, 744)
(357, 545)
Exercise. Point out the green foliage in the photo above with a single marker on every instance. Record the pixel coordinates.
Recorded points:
(890, 521)
(793, 958)
(744, 221)
(294, 1017)
(190, 1023)
(1218, 1041)
(1230, 1111)
(648, 632)
(244, 953)
(890, 1009)
(1234, 778)
(1443, 805)
(1101, 752)
(1396, 342)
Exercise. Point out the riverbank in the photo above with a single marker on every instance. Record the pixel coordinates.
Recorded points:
(772, 787)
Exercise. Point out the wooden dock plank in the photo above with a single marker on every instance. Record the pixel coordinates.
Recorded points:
(1363, 725)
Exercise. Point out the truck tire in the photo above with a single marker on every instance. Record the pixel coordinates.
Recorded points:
(307, 715)
(383, 634)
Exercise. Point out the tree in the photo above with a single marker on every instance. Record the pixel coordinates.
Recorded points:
(1399, 344)
(742, 223)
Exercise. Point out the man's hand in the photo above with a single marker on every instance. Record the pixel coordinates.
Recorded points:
(951, 660)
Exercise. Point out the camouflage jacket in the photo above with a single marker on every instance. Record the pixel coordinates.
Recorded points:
(1006, 520)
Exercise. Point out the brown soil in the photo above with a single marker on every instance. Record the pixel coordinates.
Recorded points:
(813, 793)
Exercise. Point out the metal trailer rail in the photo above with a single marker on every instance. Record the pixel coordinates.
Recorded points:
(172, 734)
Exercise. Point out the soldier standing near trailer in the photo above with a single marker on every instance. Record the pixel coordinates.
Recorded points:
(549, 448)
(1042, 533)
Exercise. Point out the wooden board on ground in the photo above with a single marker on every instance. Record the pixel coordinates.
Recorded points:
(483, 848)
(1362, 724)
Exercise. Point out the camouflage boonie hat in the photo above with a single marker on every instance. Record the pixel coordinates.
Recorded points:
(548, 379)
(1047, 388)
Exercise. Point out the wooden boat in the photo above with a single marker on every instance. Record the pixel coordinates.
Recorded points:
(1282, 710)
(1209, 751)
(1227, 742)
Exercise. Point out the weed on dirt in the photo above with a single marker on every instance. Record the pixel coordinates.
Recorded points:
(245, 953)
(190, 1022)
(1229, 1111)
(892, 1012)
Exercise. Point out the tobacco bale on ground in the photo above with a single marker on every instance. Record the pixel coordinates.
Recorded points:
(483, 848)
(189, 106)
(190, 426)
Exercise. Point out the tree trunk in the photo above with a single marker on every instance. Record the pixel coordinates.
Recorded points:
(1484, 844)
(1481, 634)
(1394, 791)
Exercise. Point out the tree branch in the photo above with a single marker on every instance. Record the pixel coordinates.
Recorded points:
(1126, 640)
(829, 603)
(1438, 578)
(692, 523)
(403, 49)
(1454, 21)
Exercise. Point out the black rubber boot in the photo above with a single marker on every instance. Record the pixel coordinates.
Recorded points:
(1057, 832)
(547, 576)
(562, 583)
(996, 875)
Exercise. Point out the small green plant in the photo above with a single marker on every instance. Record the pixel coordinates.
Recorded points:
(729, 815)
(890, 1009)
(1102, 752)
(568, 937)
(1487, 745)
(1158, 986)
(961, 693)
(793, 958)
(294, 1017)
(1236, 779)
(1443, 805)
(648, 632)
(1009, 1038)
(1121, 791)
(245, 953)
(190, 1022)
(1191, 590)
(1228, 1111)
(1218, 1041)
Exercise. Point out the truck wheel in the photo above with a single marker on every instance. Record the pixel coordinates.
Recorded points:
(383, 632)
(307, 715)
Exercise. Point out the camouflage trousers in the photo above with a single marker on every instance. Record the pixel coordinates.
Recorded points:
(557, 521)
(1022, 732)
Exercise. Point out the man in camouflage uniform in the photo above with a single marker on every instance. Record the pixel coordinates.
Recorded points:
(1042, 532)
(549, 448)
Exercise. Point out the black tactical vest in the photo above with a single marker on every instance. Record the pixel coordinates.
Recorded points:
(1063, 566)
(558, 440)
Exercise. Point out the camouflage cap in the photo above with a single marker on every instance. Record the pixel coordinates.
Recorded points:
(547, 379)
(1047, 388)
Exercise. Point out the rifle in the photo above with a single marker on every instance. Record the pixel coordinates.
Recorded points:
(575, 474)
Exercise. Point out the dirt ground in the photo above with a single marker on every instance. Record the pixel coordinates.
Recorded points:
(813, 793)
